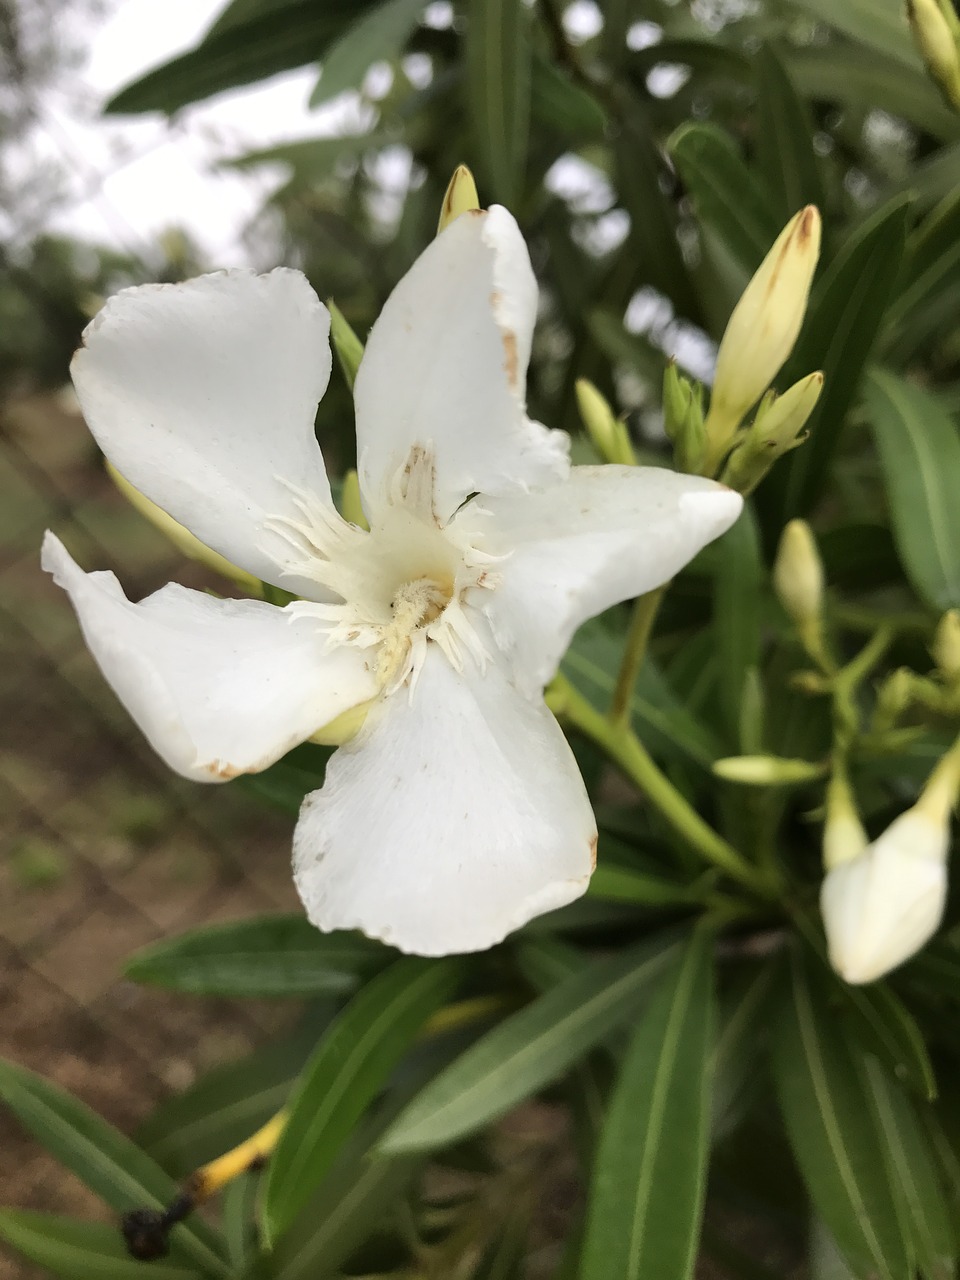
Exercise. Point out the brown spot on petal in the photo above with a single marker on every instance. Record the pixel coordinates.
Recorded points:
(593, 853)
(222, 771)
(511, 362)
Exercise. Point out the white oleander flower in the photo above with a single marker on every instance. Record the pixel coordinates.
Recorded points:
(457, 812)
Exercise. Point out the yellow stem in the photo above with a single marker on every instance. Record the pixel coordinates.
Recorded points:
(213, 1177)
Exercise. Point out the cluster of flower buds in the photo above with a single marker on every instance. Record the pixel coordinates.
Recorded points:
(882, 901)
(936, 29)
(758, 339)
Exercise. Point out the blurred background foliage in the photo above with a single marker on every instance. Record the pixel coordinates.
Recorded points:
(674, 1105)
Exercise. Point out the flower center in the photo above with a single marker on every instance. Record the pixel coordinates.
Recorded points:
(396, 588)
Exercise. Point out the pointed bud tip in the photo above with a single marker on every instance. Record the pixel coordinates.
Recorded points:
(460, 197)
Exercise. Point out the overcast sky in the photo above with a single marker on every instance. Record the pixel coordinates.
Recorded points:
(130, 179)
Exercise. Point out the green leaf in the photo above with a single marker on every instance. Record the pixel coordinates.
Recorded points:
(928, 305)
(726, 195)
(498, 92)
(80, 1250)
(624, 884)
(922, 1209)
(529, 1049)
(887, 1028)
(746, 1008)
(352, 1061)
(785, 139)
(653, 221)
(378, 36)
(920, 455)
(737, 601)
(662, 720)
(238, 1213)
(311, 160)
(834, 1140)
(880, 24)
(650, 1177)
(230, 1102)
(104, 1160)
(280, 38)
(842, 322)
(827, 73)
(560, 104)
(264, 956)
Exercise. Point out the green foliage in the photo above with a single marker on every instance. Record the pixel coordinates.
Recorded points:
(672, 1058)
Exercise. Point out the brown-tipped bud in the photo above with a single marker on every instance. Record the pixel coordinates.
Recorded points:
(460, 197)
(798, 574)
(763, 327)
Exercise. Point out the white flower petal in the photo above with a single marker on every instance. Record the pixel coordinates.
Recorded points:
(203, 395)
(219, 687)
(609, 533)
(454, 817)
(880, 907)
(445, 368)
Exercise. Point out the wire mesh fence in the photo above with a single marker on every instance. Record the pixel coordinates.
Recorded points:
(102, 849)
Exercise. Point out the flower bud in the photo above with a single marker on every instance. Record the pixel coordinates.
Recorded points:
(347, 345)
(843, 835)
(798, 574)
(763, 327)
(767, 771)
(881, 906)
(936, 31)
(608, 432)
(946, 646)
(461, 196)
(777, 428)
(893, 698)
(683, 419)
(185, 542)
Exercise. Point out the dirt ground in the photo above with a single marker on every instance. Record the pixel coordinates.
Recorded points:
(102, 849)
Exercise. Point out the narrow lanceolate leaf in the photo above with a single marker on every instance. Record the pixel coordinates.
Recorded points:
(263, 956)
(920, 454)
(726, 195)
(785, 139)
(285, 36)
(349, 1068)
(736, 615)
(881, 24)
(928, 303)
(105, 1161)
(498, 88)
(80, 1250)
(885, 1026)
(842, 323)
(529, 1049)
(379, 35)
(924, 1217)
(650, 1177)
(833, 1137)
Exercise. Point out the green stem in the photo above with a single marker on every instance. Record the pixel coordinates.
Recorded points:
(644, 613)
(623, 746)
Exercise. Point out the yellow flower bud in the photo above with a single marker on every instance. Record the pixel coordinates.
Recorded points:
(843, 835)
(946, 646)
(763, 327)
(798, 574)
(936, 30)
(767, 771)
(351, 506)
(182, 538)
(608, 432)
(347, 345)
(777, 428)
(461, 196)
(683, 419)
(344, 726)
